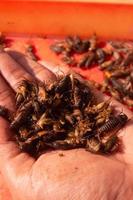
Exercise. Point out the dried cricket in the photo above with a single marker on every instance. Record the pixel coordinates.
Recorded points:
(113, 124)
(101, 55)
(30, 51)
(57, 47)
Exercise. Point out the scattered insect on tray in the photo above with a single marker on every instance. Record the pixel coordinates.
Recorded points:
(114, 58)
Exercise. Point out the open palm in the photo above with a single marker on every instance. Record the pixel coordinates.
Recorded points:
(77, 174)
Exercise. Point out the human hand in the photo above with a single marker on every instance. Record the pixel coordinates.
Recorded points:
(78, 175)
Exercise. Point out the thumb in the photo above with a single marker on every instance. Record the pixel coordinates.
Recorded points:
(8, 148)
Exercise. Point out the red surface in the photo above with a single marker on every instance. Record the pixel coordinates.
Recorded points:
(44, 53)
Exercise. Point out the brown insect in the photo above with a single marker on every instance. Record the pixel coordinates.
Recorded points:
(69, 40)
(57, 47)
(24, 133)
(25, 90)
(64, 84)
(129, 59)
(120, 73)
(44, 120)
(69, 60)
(111, 145)
(93, 145)
(113, 124)
(37, 107)
(80, 46)
(116, 95)
(84, 46)
(117, 58)
(77, 42)
(22, 116)
(100, 55)
(117, 85)
(83, 60)
(91, 60)
(41, 93)
(22, 92)
(65, 144)
(31, 52)
(107, 64)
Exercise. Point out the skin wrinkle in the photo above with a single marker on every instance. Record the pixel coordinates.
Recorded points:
(36, 188)
(10, 139)
(124, 186)
(116, 196)
(55, 187)
(82, 193)
(130, 174)
(38, 71)
(20, 58)
(66, 187)
(121, 192)
(119, 186)
(5, 94)
(15, 72)
(105, 181)
(32, 67)
(10, 152)
(21, 180)
(63, 189)
(20, 77)
(32, 182)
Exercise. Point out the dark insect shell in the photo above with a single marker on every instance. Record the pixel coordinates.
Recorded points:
(114, 123)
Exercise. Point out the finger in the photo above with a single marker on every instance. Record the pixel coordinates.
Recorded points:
(8, 148)
(6, 99)
(7, 95)
(56, 68)
(61, 70)
(34, 68)
(12, 71)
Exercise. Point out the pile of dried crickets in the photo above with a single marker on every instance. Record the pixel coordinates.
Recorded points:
(114, 58)
(72, 46)
(63, 115)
